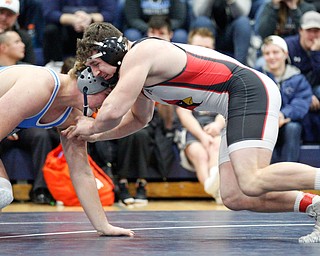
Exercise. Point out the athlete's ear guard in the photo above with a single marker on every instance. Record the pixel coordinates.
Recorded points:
(89, 84)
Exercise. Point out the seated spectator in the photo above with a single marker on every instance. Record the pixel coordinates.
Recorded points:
(138, 12)
(12, 49)
(228, 22)
(296, 97)
(281, 18)
(160, 26)
(304, 52)
(66, 21)
(9, 12)
(199, 148)
(201, 37)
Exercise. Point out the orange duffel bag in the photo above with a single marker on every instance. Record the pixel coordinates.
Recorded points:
(57, 177)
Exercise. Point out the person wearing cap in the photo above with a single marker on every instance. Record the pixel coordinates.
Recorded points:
(9, 12)
(304, 53)
(55, 100)
(198, 78)
(295, 94)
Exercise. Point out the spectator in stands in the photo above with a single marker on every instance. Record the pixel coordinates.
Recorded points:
(296, 97)
(201, 37)
(200, 138)
(281, 17)
(37, 141)
(9, 12)
(138, 12)
(160, 26)
(304, 52)
(229, 22)
(65, 22)
(12, 49)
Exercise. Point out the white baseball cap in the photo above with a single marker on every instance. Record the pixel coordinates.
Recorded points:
(12, 5)
(310, 19)
(276, 40)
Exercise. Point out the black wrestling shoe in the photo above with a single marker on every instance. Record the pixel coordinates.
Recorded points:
(124, 195)
(141, 195)
(42, 196)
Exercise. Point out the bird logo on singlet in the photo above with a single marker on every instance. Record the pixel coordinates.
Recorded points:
(185, 103)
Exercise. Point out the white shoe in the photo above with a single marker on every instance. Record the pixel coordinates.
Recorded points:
(313, 211)
(211, 184)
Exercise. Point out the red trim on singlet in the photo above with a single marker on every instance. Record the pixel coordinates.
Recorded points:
(201, 71)
(305, 202)
(198, 72)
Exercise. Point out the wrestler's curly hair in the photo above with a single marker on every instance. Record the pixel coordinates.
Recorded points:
(77, 68)
(96, 32)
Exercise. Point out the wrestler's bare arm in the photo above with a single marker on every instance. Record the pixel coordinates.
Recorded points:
(124, 97)
(25, 97)
(85, 185)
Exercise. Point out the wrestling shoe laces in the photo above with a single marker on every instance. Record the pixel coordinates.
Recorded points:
(313, 211)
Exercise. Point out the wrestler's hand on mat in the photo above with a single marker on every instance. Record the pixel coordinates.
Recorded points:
(116, 231)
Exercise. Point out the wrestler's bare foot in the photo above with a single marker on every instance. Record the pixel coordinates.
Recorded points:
(116, 231)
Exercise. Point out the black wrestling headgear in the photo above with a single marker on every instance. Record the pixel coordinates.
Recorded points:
(111, 50)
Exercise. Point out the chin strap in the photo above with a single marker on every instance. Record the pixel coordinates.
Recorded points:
(85, 101)
(86, 110)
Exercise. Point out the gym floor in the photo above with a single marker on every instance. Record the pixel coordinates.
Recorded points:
(182, 227)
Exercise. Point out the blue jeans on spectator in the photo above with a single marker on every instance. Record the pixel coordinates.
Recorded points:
(256, 4)
(287, 148)
(234, 40)
(311, 122)
(311, 127)
(179, 35)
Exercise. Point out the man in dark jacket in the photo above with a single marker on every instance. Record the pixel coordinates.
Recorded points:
(295, 94)
(304, 52)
